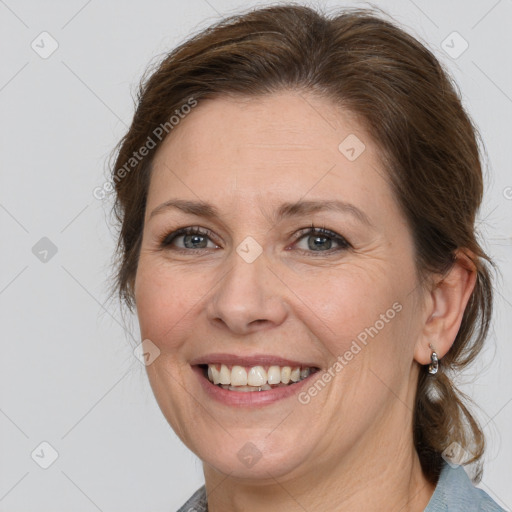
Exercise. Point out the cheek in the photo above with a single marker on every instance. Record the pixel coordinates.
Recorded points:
(342, 303)
(360, 318)
(165, 302)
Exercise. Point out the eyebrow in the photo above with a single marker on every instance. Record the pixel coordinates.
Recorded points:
(285, 210)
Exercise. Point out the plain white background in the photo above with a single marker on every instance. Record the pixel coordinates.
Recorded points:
(68, 375)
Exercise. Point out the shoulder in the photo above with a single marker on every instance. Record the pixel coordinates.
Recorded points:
(196, 503)
(455, 492)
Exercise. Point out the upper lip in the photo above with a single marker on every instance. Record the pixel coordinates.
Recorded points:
(250, 360)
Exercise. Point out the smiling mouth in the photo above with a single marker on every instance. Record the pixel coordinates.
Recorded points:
(255, 378)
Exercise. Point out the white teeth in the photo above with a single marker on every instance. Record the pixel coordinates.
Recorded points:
(286, 372)
(274, 375)
(257, 376)
(224, 375)
(246, 389)
(238, 376)
(215, 374)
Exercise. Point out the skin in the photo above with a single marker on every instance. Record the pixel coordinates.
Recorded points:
(351, 447)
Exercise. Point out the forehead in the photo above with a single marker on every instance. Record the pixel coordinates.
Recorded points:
(269, 149)
(269, 125)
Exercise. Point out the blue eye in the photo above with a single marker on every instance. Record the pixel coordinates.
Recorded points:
(193, 238)
(320, 240)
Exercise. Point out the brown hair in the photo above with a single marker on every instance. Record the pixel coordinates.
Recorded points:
(410, 107)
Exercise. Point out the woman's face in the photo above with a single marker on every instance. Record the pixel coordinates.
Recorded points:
(255, 290)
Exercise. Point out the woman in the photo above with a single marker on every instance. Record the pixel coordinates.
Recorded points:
(297, 198)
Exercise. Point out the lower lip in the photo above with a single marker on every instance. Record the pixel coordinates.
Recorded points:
(248, 398)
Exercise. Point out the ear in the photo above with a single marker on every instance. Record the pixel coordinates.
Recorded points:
(445, 307)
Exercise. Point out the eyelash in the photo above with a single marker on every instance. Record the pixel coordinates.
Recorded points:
(166, 241)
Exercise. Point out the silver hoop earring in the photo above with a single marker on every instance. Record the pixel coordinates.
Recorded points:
(434, 365)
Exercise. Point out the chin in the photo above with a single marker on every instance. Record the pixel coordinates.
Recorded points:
(248, 454)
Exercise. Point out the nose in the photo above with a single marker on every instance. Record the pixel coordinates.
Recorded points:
(248, 298)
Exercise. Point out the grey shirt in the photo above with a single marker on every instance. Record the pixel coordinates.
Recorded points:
(454, 492)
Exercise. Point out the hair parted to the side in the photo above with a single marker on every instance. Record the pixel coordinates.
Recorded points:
(410, 107)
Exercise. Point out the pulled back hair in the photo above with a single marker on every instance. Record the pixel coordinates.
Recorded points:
(410, 107)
